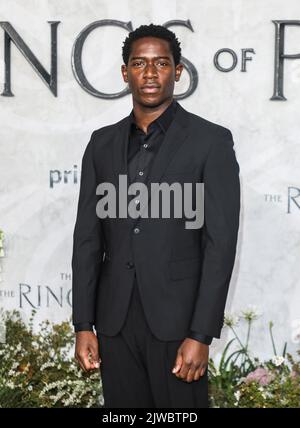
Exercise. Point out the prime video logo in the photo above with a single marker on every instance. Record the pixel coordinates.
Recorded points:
(183, 201)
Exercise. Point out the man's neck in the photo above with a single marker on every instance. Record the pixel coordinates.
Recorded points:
(145, 115)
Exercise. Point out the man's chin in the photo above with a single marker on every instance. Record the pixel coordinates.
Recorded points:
(150, 100)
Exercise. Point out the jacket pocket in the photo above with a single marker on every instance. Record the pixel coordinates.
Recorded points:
(186, 268)
(178, 176)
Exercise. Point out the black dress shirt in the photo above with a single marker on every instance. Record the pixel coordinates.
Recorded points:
(142, 149)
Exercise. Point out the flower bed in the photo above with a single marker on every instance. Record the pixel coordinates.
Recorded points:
(39, 370)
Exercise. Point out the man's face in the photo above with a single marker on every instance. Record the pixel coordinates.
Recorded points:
(151, 71)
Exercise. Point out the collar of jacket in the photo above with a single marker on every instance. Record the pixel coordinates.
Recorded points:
(174, 138)
(163, 121)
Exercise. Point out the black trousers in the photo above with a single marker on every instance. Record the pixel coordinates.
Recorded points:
(136, 367)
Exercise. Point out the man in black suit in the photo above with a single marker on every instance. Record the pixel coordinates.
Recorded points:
(153, 289)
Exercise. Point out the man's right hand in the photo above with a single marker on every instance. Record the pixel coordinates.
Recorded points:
(86, 350)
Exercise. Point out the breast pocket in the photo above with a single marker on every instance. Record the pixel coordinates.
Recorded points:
(186, 268)
(178, 176)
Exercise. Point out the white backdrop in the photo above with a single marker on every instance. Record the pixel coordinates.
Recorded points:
(40, 133)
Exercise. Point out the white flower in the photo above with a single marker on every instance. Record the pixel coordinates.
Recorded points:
(296, 331)
(30, 388)
(46, 365)
(237, 395)
(14, 365)
(241, 380)
(10, 385)
(278, 360)
(251, 313)
(231, 320)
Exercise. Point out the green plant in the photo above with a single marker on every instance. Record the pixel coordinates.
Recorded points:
(243, 381)
(38, 370)
(281, 391)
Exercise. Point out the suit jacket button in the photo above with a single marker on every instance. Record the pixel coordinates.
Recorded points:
(129, 265)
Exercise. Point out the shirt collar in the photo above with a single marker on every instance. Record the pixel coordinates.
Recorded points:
(164, 120)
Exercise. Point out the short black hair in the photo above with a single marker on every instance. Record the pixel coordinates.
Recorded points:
(152, 30)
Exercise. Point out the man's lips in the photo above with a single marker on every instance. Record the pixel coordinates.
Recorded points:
(149, 89)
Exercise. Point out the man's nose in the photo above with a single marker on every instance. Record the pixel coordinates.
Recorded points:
(150, 70)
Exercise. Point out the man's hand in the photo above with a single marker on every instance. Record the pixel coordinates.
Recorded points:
(86, 350)
(191, 360)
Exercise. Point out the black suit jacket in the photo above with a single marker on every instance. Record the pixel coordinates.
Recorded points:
(183, 274)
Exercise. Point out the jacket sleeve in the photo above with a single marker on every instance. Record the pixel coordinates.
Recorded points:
(87, 244)
(83, 327)
(220, 230)
(203, 338)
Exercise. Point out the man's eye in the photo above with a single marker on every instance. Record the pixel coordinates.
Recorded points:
(163, 63)
(137, 63)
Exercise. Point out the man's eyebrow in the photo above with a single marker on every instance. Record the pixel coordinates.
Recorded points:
(143, 57)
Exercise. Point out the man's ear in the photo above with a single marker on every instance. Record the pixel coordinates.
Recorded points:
(178, 71)
(124, 72)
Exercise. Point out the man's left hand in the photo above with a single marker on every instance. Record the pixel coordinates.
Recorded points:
(191, 360)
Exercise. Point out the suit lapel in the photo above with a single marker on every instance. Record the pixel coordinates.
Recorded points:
(120, 147)
(174, 138)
